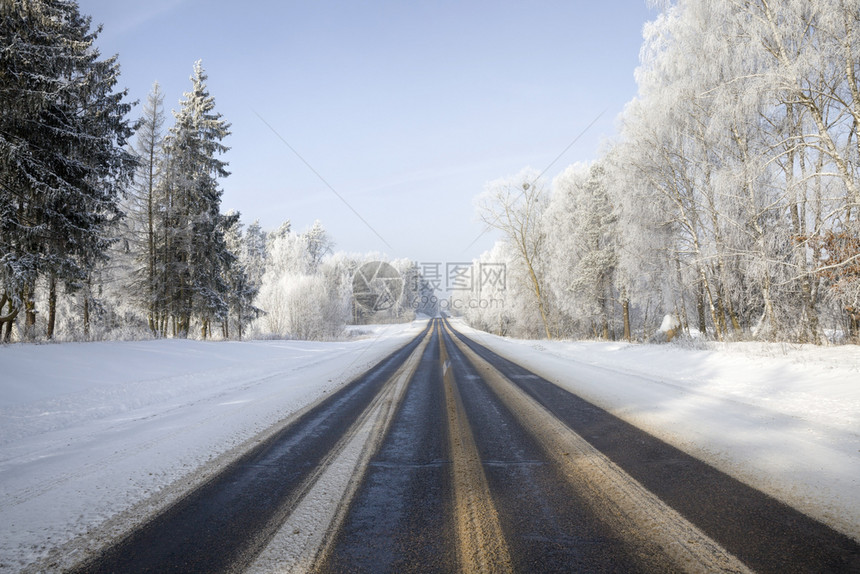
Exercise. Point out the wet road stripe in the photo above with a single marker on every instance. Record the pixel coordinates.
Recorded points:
(481, 545)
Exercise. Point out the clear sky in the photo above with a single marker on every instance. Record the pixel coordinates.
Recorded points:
(406, 108)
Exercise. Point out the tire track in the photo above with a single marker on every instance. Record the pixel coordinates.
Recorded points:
(225, 523)
(401, 517)
(617, 497)
(764, 533)
(300, 543)
(481, 544)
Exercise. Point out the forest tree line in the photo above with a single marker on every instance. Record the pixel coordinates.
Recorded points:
(112, 227)
(729, 198)
(85, 214)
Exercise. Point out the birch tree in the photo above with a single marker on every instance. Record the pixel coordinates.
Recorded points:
(582, 238)
(515, 206)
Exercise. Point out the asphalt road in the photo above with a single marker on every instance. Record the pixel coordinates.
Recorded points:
(446, 457)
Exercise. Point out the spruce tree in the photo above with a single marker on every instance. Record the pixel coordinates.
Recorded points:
(242, 289)
(253, 253)
(62, 162)
(194, 248)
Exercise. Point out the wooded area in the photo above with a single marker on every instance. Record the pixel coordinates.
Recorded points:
(728, 199)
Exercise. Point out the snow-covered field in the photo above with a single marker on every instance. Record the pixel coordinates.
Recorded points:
(93, 437)
(782, 418)
(102, 434)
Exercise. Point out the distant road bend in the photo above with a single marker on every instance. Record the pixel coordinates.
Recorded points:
(446, 457)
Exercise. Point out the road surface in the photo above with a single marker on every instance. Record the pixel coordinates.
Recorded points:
(447, 457)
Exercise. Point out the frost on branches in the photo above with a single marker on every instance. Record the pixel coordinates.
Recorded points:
(840, 271)
(730, 199)
(63, 129)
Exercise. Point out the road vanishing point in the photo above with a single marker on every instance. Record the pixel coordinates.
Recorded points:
(447, 457)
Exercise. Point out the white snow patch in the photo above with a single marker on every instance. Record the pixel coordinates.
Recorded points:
(670, 323)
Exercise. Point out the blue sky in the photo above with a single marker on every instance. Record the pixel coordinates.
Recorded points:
(405, 108)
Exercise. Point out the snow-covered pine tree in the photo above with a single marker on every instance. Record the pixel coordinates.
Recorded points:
(241, 288)
(193, 239)
(253, 253)
(62, 162)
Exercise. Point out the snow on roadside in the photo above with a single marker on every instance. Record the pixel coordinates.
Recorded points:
(100, 433)
(782, 418)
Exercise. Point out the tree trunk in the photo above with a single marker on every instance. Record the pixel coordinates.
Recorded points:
(625, 311)
(733, 316)
(685, 321)
(769, 317)
(86, 314)
(29, 314)
(7, 320)
(853, 325)
(797, 211)
(539, 295)
(706, 287)
(52, 306)
(721, 313)
(150, 220)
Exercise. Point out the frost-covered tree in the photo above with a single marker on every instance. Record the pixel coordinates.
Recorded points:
(301, 295)
(286, 252)
(500, 300)
(515, 206)
(582, 238)
(644, 253)
(319, 245)
(669, 147)
(301, 307)
(63, 129)
(805, 58)
(192, 242)
(241, 289)
(143, 224)
(743, 133)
